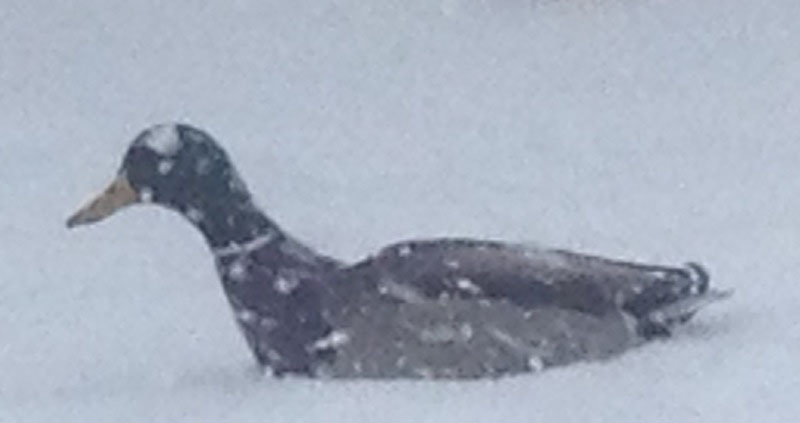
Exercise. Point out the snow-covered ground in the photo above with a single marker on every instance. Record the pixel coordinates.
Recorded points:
(644, 129)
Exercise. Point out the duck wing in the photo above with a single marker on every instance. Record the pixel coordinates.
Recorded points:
(528, 277)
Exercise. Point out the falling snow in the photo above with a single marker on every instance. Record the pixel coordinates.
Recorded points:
(400, 291)
(404, 250)
(335, 339)
(246, 316)
(165, 166)
(452, 264)
(146, 195)
(535, 363)
(286, 285)
(466, 284)
(163, 139)
(194, 215)
(237, 271)
(202, 166)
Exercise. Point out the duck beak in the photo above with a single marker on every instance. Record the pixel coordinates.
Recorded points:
(118, 195)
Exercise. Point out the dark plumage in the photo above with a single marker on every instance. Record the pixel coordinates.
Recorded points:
(437, 308)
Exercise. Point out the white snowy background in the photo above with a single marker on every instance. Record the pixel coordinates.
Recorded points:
(652, 130)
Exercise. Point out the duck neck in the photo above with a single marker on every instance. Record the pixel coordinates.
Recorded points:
(229, 222)
(234, 226)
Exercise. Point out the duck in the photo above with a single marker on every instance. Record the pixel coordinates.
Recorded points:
(443, 308)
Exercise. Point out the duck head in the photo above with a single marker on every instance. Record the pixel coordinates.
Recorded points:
(181, 168)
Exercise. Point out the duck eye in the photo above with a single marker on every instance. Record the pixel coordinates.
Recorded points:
(142, 166)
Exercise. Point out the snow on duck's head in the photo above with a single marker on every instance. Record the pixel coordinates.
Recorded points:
(174, 165)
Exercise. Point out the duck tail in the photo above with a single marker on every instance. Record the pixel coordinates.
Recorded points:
(675, 300)
(696, 295)
(699, 277)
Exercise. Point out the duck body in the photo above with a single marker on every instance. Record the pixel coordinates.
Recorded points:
(445, 308)
(441, 308)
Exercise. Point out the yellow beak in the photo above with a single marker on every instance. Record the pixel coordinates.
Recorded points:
(118, 195)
